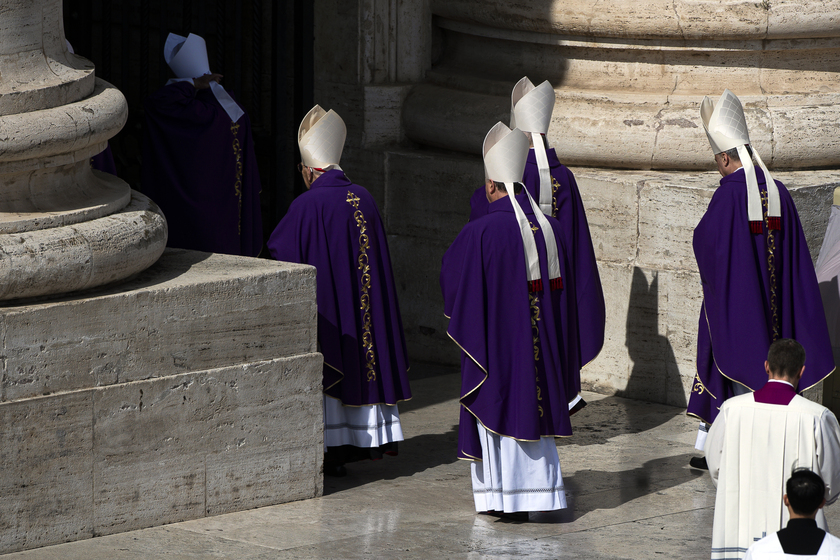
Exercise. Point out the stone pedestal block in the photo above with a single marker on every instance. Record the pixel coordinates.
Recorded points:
(192, 390)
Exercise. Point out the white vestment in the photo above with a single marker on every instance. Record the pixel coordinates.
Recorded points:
(769, 548)
(362, 426)
(751, 450)
(517, 475)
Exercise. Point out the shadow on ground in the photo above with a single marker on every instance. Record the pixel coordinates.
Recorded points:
(613, 416)
(417, 454)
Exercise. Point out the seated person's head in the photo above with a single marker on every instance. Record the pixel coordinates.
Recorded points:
(805, 493)
(786, 359)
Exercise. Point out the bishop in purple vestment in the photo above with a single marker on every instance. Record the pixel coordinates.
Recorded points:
(199, 164)
(335, 226)
(518, 345)
(757, 287)
(552, 185)
(759, 284)
(510, 297)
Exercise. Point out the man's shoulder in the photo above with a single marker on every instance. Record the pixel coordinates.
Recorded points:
(494, 228)
(808, 405)
(831, 544)
(747, 399)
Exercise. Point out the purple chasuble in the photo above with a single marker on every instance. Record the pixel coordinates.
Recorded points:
(775, 392)
(200, 168)
(519, 360)
(104, 161)
(567, 207)
(757, 288)
(335, 226)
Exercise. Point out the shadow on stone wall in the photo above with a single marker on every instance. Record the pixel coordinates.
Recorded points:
(655, 375)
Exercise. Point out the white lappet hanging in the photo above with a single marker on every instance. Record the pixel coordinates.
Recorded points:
(505, 152)
(530, 112)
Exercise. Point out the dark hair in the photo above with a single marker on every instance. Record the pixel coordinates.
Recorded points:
(517, 187)
(805, 491)
(733, 152)
(786, 357)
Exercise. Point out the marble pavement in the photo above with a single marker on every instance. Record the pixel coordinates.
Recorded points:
(630, 490)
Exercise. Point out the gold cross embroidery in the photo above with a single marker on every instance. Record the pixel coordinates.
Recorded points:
(352, 199)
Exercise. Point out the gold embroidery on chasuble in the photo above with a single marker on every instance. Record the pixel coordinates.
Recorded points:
(237, 184)
(534, 300)
(554, 186)
(698, 386)
(364, 268)
(771, 268)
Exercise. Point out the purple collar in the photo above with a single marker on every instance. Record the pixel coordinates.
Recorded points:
(775, 393)
(331, 178)
(739, 176)
(550, 153)
(504, 205)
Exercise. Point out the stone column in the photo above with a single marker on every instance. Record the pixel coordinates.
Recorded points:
(63, 227)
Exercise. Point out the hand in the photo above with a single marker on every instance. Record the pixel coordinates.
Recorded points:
(203, 82)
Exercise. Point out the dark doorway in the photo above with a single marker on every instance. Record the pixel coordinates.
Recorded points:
(262, 47)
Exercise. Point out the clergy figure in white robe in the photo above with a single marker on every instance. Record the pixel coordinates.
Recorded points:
(755, 443)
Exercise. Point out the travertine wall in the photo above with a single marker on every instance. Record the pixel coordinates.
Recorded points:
(642, 224)
(192, 390)
(629, 79)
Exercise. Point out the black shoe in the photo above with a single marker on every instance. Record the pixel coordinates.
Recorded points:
(699, 463)
(509, 516)
(335, 470)
(578, 407)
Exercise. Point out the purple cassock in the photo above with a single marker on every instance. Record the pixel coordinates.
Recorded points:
(568, 209)
(757, 288)
(200, 168)
(520, 363)
(335, 226)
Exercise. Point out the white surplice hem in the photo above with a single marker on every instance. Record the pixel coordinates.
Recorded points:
(517, 475)
(361, 426)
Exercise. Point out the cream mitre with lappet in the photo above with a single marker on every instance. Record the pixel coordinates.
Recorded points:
(530, 112)
(505, 152)
(726, 128)
(187, 57)
(321, 138)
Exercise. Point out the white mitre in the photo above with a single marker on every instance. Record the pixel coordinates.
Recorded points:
(321, 139)
(505, 152)
(187, 57)
(530, 111)
(531, 107)
(726, 128)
